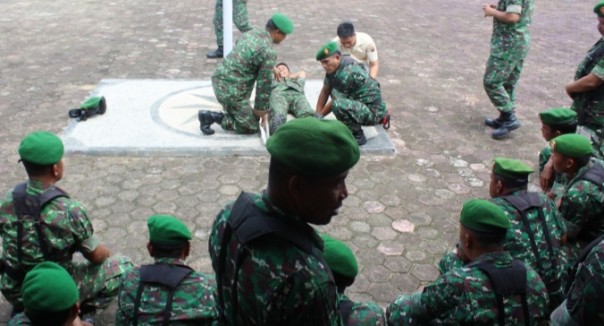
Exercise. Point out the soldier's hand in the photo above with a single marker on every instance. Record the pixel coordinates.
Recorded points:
(546, 178)
(277, 74)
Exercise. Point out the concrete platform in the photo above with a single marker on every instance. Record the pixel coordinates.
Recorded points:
(159, 117)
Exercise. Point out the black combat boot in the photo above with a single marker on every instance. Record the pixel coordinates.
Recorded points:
(207, 118)
(494, 123)
(508, 123)
(215, 54)
(359, 135)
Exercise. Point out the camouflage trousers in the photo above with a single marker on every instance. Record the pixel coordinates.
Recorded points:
(98, 284)
(355, 114)
(235, 101)
(500, 79)
(239, 18)
(283, 103)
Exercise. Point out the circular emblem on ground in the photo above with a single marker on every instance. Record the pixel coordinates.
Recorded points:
(178, 111)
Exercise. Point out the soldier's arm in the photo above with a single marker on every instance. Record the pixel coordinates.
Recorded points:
(510, 16)
(297, 75)
(264, 81)
(583, 84)
(372, 57)
(374, 67)
(577, 206)
(323, 97)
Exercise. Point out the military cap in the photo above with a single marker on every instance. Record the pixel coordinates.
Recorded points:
(283, 23)
(572, 145)
(48, 288)
(339, 257)
(41, 147)
(558, 116)
(167, 230)
(327, 50)
(511, 168)
(314, 147)
(599, 9)
(484, 216)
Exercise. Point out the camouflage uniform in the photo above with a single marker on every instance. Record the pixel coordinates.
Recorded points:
(590, 105)
(288, 97)
(67, 229)
(466, 296)
(585, 298)
(19, 319)
(277, 282)
(582, 211)
(509, 46)
(360, 313)
(193, 300)
(559, 178)
(239, 18)
(251, 61)
(359, 98)
(551, 268)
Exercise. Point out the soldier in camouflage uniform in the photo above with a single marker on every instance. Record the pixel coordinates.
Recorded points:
(51, 227)
(585, 298)
(509, 46)
(344, 267)
(267, 257)
(587, 90)
(581, 204)
(239, 18)
(478, 293)
(537, 231)
(555, 122)
(287, 97)
(50, 297)
(168, 291)
(251, 61)
(359, 101)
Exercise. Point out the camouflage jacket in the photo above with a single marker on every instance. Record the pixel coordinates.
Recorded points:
(65, 226)
(590, 105)
(518, 243)
(512, 41)
(465, 296)
(251, 61)
(582, 207)
(353, 81)
(360, 313)
(294, 85)
(585, 298)
(277, 282)
(192, 303)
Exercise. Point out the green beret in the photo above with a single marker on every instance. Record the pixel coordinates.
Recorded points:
(599, 10)
(167, 230)
(558, 116)
(510, 168)
(339, 257)
(41, 147)
(283, 23)
(314, 147)
(572, 145)
(484, 216)
(48, 288)
(327, 50)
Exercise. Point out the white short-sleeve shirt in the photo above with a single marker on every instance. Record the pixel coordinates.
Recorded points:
(363, 51)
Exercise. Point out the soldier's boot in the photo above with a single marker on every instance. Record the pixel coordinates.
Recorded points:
(494, 123)
(508, 123)
(218, 53)
(206, 119)
(359, 135)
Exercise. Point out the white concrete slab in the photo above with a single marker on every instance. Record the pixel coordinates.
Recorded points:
(159, 117)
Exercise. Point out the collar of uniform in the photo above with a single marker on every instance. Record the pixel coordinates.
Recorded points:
(502, 258)
(170, 261)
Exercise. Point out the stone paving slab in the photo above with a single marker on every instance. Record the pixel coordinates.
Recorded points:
(159, 117)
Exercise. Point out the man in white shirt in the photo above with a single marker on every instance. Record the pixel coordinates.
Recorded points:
(359, 46)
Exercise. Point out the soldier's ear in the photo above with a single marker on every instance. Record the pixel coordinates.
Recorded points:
(150, 249)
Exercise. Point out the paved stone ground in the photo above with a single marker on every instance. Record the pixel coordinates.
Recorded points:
(402, 211)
